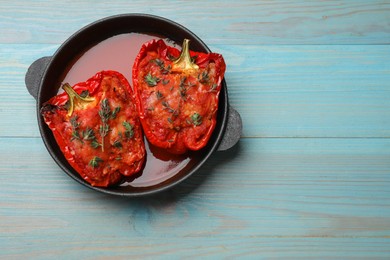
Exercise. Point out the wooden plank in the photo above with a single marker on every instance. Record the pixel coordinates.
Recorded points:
(280, 91)
(123, 246)
(17, 106)
(294, 197)
(325, 181)
(233, 22)
(310, 91)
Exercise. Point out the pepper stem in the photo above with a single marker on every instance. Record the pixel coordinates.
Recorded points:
(184, 62)
(74, 98)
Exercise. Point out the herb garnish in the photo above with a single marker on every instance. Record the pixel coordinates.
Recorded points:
(193, 58)
(95, 144)
(84, 94)
(129, 132)
(117, 144)
(163, 69)
(105, 110)
(182, 87)
(75, 126)
(196, 119)
(213, 87)
(115, 112)
(159, 95)
(166, 69)
(89, 134)
(159, 62)
(171, 57)
(168, 107)
(204, 77)
(151, 80)
(105, 114)
(165, 81)
(94, 162)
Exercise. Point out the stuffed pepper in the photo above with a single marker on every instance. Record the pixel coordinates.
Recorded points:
(96, 126)
(177, 94)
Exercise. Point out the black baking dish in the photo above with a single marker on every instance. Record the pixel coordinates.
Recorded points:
(43, 76)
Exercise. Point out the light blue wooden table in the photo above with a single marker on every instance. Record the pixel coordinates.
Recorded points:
(310, 177)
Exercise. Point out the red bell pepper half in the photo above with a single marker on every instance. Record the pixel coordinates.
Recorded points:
(96, 126)
(177, 94)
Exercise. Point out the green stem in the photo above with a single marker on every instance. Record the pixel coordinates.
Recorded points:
(74, 98)
(184, 62)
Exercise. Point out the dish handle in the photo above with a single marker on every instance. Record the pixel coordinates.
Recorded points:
(34, 75)
(233, 130)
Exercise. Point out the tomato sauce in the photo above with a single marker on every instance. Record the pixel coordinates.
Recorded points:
(118, 53)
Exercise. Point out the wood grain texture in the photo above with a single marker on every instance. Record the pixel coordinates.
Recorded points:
(289, 91)
(332, 194)
(309, 179)
(229, 22)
